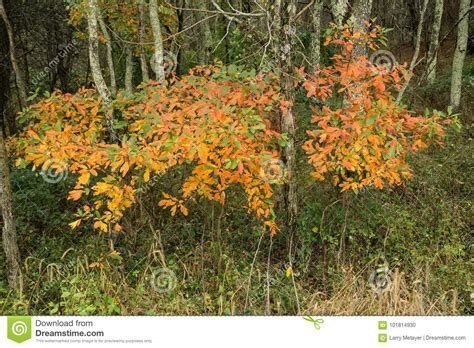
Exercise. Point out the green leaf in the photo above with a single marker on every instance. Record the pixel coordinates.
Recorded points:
(371, 120)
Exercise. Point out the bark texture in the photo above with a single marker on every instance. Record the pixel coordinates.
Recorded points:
(110, 59)
(285, 11)
(9, 238)
(141, 36)
(315, 43)
(157, 61)
(360, 14)
(16, 69)
(434, 40)
(339, 10)
(128, 69)
(206, 35)
(460, 53)
(92, 15)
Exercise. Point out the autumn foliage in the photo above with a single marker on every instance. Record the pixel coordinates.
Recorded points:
(214, 124)
(362, 136)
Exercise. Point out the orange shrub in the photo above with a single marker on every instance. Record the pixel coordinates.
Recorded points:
(362, 136)
(216, 120)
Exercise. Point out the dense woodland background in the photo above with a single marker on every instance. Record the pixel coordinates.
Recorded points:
(401, 249)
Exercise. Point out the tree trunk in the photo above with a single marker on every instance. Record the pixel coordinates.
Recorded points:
(315, 40)
(432, 58)
(141, 36)
(285, 11)
(284, 21)
(361, 13)
(9, 238)
(417, 50)
(460, 53)
(6, 112)
(180, 19)
(99, 81)
(157, 61)
(129, 69)
(339, 10)
(206, 35)
(110, 58)
(16, 69)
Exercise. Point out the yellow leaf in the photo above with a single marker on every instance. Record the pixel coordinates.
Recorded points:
(289, 271)
(183, 210)
(84, 178)
(125, 168)
(173, 211)
(101, 187)
(146, 176)
(203, 152)
(75, 224)
(100, 225)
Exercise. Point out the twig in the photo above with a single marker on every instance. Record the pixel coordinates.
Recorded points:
(304, 9)
(225, 35)
(267, 305)
(229, 16)
(251, 271)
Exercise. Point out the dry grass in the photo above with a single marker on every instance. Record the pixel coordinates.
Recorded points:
(404, 297)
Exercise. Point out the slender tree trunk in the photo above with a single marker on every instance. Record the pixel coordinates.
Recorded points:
(433, 49)
(99, 81)
(417, 50)
(6, 112)
(361, 13)
(9, 238)
(285, 11)
(141, 36)
(460, 53)
(284, 22)
(16, 69)
(129, 69)
(180, 20)
(315, 40)
(157, 62)
(339, 10)
(110, 58)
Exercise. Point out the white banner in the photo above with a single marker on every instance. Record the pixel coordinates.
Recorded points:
(315, 331)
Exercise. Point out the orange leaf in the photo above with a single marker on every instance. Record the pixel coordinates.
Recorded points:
(203, 152)
(75, 195)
